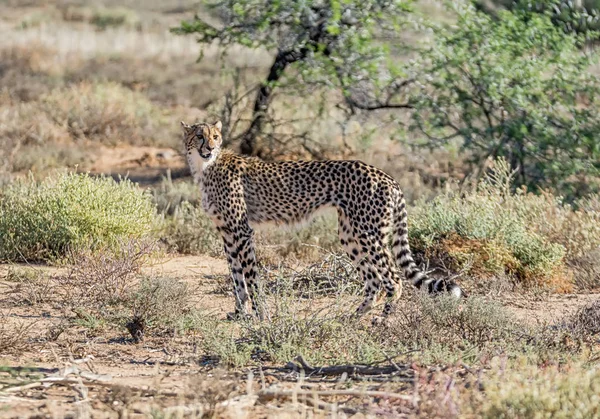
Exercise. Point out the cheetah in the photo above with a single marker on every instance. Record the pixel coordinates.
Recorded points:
(239, 193)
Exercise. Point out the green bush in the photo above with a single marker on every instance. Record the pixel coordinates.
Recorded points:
(488, 232)
(515, 86)
(44, 220)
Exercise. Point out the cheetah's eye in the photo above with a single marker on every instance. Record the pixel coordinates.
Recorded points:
(215, 137)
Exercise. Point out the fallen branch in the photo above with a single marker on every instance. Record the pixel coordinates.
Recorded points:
(351, 370)
(82, 377)
(47, 382)
(268, 395)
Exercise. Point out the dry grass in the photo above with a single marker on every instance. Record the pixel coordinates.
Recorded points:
(13, 334)
(31, 286)
(103, 277)
(107, 113)
(583, 328)
(555, 392)
(586, 270)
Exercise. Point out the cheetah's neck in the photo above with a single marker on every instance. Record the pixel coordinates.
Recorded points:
(198, 165)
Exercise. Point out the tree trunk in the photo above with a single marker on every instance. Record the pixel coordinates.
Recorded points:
(249, 144)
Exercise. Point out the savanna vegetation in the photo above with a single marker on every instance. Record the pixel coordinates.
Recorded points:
(485, 113)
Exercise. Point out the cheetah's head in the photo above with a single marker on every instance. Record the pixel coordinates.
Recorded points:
(205, 138)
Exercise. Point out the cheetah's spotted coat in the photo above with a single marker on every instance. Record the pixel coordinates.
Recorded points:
(240, 192)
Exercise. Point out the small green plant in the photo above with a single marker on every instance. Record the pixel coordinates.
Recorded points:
(90, 321)
(220, 341)
(47, 219)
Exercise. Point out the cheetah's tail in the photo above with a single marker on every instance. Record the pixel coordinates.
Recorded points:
(404, 258)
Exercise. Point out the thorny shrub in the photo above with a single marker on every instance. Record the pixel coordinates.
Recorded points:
(101, 278)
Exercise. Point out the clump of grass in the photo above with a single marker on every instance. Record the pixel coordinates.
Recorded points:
(220, 341)
(586, 270)
(169, 195)
(105, 18)
(38, 18)
(99, 278)
(108, 113)
(446, 329)
(533, 392)
(158, 304)
(101, 17)
(189, 231)
(45, 220)
(13, 335)
(31, 286)
(582, 328)
(485, 233)
(574, 226)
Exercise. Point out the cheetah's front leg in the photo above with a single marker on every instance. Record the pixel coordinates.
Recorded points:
(239, 248)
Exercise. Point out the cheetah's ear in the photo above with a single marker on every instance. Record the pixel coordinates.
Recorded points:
(218, 125)
(186, 127)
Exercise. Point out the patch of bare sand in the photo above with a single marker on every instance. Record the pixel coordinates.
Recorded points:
(145, 165)
(550, 308)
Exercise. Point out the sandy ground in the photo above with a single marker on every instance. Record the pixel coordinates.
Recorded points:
(159, 372)
(144, 165)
